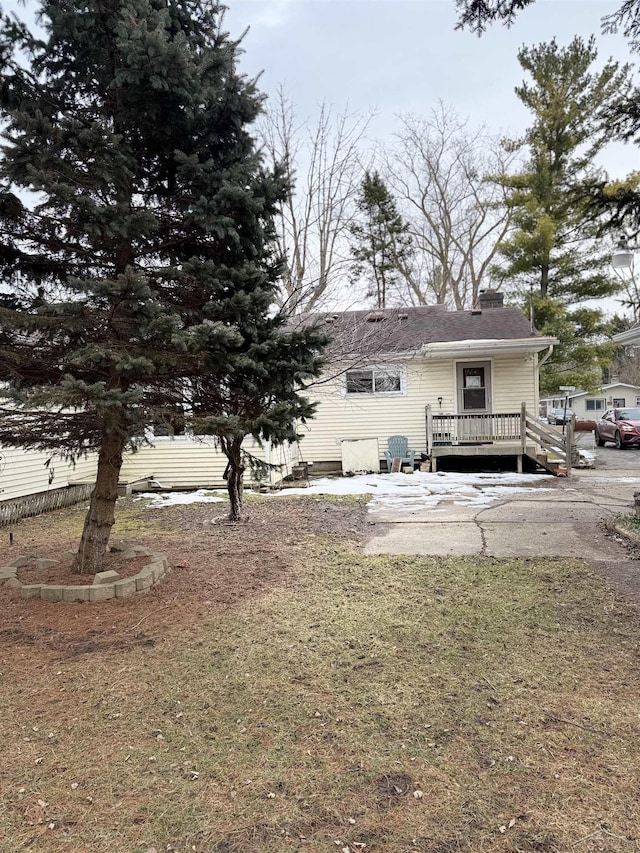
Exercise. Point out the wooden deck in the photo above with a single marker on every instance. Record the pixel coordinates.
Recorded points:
(517, 434)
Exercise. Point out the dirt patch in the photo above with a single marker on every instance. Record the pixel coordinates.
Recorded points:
(392, 786)
(231, 708)
(62, 575)
(214, 565)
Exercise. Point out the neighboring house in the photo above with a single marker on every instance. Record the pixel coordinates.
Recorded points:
(591, 407)
(451, 381)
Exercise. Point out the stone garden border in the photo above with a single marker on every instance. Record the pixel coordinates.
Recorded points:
(105, 586)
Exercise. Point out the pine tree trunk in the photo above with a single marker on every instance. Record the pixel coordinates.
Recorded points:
(101, 514)
(235, 480)
(544, 280)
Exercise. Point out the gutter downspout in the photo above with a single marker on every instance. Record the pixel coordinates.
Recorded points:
(541, 361)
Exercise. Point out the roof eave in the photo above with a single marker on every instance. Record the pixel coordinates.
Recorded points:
(444, 349)
(631, 336)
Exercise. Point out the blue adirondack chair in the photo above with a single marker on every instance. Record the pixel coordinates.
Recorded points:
(398, 448)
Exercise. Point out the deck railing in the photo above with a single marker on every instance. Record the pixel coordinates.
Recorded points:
(485, 428)
(549, 440)
(458, 429)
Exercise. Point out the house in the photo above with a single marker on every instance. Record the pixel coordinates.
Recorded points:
(32, 481)
(453, 382)
(590, 407)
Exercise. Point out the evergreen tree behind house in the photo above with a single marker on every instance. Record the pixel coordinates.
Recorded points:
(555, 261)
(137, 240)
(381, 244)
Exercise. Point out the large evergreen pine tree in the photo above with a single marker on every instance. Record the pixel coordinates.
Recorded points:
(615, 205)
(554, 261)
(136, 220)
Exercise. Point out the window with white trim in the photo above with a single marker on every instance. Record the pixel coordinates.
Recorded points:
(619, 403)
(596, 404)
(386, 381)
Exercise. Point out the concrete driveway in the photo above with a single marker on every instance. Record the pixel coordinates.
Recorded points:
(554, 518)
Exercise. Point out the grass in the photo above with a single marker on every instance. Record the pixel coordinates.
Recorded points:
(631, 522)
(370, 703)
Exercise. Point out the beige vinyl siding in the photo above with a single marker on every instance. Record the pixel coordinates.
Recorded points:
(338, 417)
(85, 470)
(578, 405)
(342, 417)
(190, 463)
(515, 382)
(23, 472)
(180, 463)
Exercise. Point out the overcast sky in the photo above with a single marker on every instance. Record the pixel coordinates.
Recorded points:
(403, 56)
(399, 56)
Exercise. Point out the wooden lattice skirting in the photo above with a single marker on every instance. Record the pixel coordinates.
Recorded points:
(17, 508)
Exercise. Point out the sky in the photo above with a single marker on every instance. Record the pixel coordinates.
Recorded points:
(403, 56)
(396, 57)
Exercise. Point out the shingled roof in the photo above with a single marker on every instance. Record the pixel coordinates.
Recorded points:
(410, 330)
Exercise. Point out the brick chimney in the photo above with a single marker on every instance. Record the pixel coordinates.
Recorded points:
(490, 299)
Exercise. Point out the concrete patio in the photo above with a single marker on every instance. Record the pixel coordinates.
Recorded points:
(560, 518)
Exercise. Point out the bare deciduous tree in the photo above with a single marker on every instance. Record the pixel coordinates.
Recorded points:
(315, 218)
(440, 172)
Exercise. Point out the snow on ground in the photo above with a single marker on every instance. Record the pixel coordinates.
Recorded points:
(410, 492)
(202, 496)
(419, 490)
(589, 455)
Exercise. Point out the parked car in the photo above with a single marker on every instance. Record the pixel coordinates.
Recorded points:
(622, 426)
(559, 416)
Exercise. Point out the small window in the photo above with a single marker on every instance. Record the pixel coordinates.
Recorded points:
(596, 405)
(359, 381)
(387, 380)
(375, 380)
(637, 401)
(619, 402)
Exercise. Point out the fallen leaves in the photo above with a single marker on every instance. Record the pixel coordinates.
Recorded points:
(505, 827)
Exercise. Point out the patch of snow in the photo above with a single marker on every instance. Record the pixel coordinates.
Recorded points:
(413, 492)
(162, 499)
(408, 492)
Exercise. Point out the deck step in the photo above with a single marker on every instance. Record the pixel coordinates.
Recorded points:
(555, 466)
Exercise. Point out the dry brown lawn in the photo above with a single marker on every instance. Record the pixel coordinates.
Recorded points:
(280, 691)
